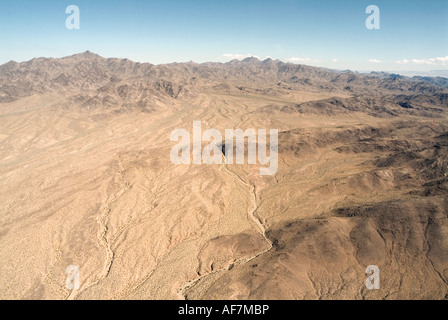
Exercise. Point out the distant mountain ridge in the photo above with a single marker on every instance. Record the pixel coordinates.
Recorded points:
(115, 82)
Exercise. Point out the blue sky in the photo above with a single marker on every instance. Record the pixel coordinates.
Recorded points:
(413, 34)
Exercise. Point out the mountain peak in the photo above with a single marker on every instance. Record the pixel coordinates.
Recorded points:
(11, 65)
(269, 61)
(251, 59)
(86, 55)
(89, 54)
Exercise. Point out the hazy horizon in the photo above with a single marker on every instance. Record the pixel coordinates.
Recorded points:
(329, 34)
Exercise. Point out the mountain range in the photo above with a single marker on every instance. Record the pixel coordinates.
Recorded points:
(121, 83)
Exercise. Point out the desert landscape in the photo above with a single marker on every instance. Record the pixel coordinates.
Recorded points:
(86, 180)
